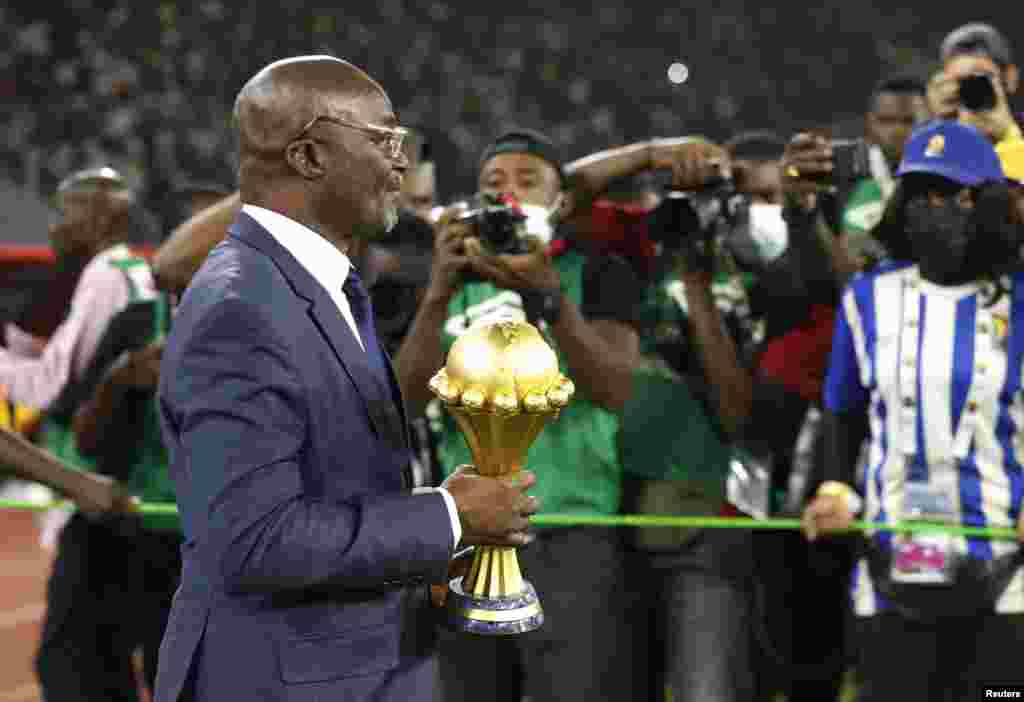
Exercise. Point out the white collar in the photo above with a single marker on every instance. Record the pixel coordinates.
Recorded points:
(321, 258)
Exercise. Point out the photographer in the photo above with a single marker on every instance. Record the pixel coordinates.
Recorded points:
(583, 306)
(926, 364)
(675, 437)
(977, 78)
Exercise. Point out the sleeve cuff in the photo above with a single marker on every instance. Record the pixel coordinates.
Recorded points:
(453, 511)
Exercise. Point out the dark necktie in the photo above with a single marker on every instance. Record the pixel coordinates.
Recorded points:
(362, 311)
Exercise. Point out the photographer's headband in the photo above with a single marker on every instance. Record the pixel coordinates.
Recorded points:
(524, 142)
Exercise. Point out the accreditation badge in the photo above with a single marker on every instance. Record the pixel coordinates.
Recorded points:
(924, 557)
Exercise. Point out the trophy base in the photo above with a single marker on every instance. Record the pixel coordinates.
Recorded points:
(493, 616)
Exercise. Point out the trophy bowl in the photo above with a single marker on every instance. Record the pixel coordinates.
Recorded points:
(502, 385)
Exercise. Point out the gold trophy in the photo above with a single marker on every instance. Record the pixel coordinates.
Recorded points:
(501, 384)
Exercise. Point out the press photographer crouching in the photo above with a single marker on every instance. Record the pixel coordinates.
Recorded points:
(926, 364)
(484, 269)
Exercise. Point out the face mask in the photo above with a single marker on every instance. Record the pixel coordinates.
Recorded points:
(940, 240)
(540, 221)
(760, 236)
(768, 230)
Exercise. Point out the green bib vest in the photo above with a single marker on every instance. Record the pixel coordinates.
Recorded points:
(575, 457)
(149, 479)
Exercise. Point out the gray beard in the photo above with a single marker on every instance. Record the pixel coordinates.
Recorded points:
(390, 220)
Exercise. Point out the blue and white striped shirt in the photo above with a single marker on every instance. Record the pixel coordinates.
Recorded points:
(939, 373)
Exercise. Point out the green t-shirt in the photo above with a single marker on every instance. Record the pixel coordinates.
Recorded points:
(668, 432)
(575, 456)
(671, 442)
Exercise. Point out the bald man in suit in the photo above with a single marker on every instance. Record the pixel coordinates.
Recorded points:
(307, 555)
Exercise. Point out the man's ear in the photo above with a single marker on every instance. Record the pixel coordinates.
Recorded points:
(307, 158)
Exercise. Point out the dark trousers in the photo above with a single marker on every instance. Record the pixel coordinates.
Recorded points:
(948, 661)
(804, 606)
(697, 632)
(581, 653)
(110, 592)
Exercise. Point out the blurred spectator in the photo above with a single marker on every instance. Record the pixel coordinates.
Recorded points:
(192, 196)
(419, 185)
(148, 89)
(896, 106)
(117, 427)
(97, 219)
(96, 208)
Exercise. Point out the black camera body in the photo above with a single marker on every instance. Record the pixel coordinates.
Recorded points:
(700, 214)
(977, 92)
(498, 223)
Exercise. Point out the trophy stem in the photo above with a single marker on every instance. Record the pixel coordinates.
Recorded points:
(494, 573)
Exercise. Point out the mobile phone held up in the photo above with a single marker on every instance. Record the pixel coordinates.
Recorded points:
(851, 161)
(977, 92)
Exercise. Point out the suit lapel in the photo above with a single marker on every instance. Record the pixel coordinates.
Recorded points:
(377, 398)
(386, 418)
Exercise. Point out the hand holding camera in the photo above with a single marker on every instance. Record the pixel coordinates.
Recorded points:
(811, 163)
(450, 257)
(976, 99)
(487, 241)
(698, 205)
(695, 163)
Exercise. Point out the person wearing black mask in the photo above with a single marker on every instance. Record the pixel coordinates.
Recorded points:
(926, 364)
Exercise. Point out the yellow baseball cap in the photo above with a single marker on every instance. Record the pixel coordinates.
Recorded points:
(1011, 154)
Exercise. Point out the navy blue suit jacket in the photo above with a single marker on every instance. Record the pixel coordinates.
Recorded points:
(306, 557)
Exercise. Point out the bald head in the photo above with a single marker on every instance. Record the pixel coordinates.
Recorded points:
(317, 143)
(281, 99)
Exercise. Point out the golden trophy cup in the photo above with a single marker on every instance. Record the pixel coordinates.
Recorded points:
(501, 384)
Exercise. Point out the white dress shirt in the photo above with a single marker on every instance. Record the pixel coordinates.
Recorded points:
(330, 267)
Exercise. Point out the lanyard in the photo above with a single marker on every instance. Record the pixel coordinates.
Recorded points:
(909, 368)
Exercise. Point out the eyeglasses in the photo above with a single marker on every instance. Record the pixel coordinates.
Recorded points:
(390, 139)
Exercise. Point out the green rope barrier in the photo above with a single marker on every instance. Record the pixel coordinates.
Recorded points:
(634, 520)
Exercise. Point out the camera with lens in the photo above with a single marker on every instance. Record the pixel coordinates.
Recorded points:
(498, 223)
(977, 92)
(695, 217)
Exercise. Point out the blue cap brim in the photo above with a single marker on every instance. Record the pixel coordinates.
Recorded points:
(954, 174)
